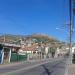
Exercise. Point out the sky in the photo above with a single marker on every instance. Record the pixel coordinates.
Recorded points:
(26, 17)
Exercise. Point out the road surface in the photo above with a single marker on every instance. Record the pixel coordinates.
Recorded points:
(56, 66)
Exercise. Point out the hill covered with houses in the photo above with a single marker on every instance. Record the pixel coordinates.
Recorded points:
(38, 38)
(35, 46)
(31, 39)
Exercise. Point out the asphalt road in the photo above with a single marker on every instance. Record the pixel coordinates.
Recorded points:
(48, 67)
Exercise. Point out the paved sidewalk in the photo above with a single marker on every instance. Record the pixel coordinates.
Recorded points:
(71, 70)
(22, 62)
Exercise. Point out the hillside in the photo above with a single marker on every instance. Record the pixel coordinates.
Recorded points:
(39, 38)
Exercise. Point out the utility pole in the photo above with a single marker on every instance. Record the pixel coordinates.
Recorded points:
(4, 38)
(70, 30)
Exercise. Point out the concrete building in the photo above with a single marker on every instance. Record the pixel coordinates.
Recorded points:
(6, 53)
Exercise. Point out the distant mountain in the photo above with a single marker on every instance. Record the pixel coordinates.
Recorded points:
(44, 36)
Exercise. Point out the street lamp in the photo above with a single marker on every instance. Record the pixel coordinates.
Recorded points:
(70, 39)
(63, 29)
(70, 28)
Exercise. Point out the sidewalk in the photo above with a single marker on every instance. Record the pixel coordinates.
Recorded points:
(71, 70)
(23, 62)
(27, 62)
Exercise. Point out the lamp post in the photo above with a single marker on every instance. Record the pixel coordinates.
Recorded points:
(70, 30)
(70, 39)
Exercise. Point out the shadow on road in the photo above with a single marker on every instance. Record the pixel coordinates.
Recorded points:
(46, 70)
(53, 68)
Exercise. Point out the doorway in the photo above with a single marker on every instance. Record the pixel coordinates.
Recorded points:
(6, 55)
